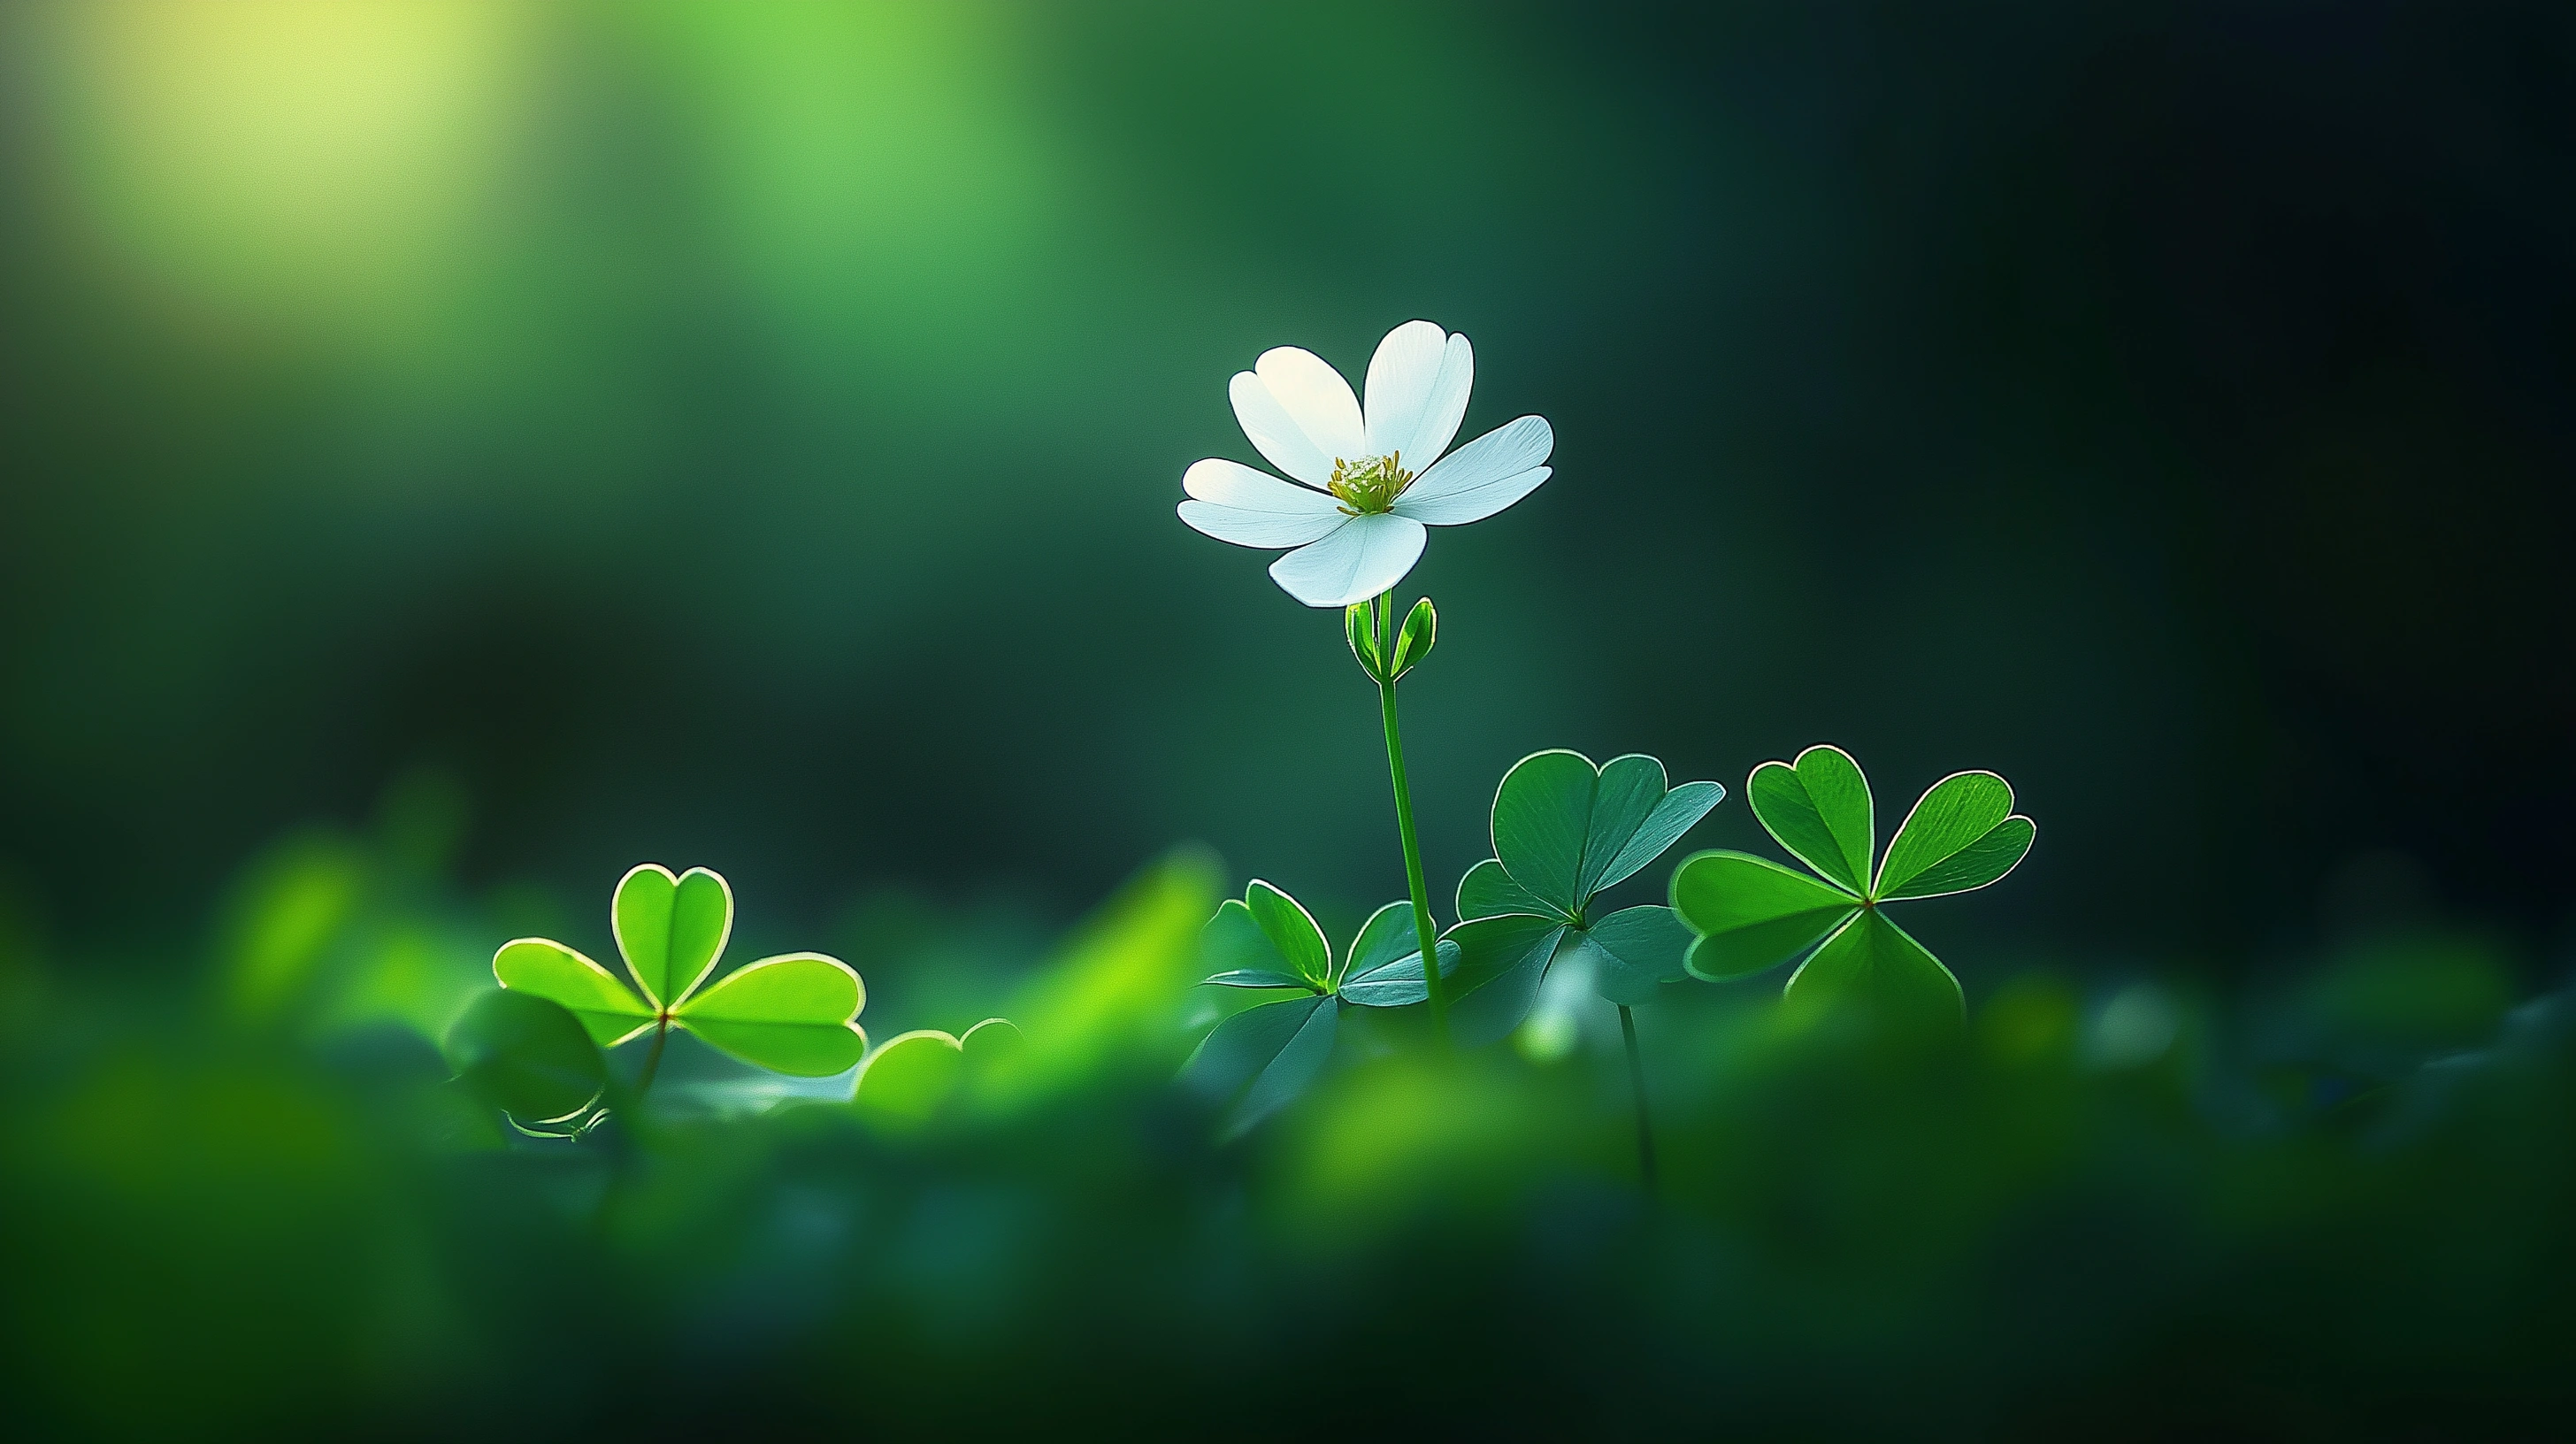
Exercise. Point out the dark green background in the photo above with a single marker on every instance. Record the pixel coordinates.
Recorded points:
(748, 435)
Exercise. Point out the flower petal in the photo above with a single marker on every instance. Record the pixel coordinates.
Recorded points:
(1364, 557)
(1234, 503)
(1274, 433)
(1476, 503)
(1417, 392)
(1483, 476)
(1300, 413)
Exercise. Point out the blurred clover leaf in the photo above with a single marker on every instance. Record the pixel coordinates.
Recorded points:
(1752, 914)
(1263, 1057)
(912, 1076)
(794, 1013)
(530, 1058)
(1565, 830)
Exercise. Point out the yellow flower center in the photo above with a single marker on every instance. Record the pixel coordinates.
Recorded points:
(1370, 485)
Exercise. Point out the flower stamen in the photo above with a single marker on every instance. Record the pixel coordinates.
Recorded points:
(1370, 485)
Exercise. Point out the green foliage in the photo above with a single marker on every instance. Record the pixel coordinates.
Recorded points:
(547, 969)
(1413, 644)
(1751, 914)
(1383, 968)
(795, 1013)
(911, 1079)
(1959, 838)
(1260, 1059)
(671, 929)
(333, 932)
(1632, 952)
(1284, 924)
(1116, 1000)
(298, 902)
(528, 1057)
(1872, 959)
(1359, 628)
(314, 1237)
(1263, 1057)
(1820, 810)
(1564, 831)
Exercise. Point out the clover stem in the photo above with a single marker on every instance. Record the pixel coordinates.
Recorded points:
(1424, 931)
(653, 1059)
(1637, 1082)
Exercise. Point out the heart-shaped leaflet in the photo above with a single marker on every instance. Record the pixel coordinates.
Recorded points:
(1261, 1058)
(912, 1076)
(1564, 831)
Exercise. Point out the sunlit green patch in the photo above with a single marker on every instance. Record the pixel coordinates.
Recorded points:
(911, 1078)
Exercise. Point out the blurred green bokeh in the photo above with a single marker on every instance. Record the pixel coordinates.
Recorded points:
(451, 452)
(2342, 1210)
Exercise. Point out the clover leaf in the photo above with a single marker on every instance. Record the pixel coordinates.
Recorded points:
(1751, 914)
(1263, 1057)
(1565, 830)
(912, 1076)
(531, 1059)
(794, 1013)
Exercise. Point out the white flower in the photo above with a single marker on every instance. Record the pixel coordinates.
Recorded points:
(1373, 479)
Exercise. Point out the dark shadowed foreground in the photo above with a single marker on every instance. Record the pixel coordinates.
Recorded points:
(2340, 1207)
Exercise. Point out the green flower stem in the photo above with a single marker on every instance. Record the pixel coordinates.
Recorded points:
(653, 1059)
(621, 1165)
(1637, 1082)
(1424, 930)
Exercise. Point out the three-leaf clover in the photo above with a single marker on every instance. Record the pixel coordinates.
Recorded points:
(1264, 1056)
(1563, 831)
(794, 1013)
(1751, 913)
